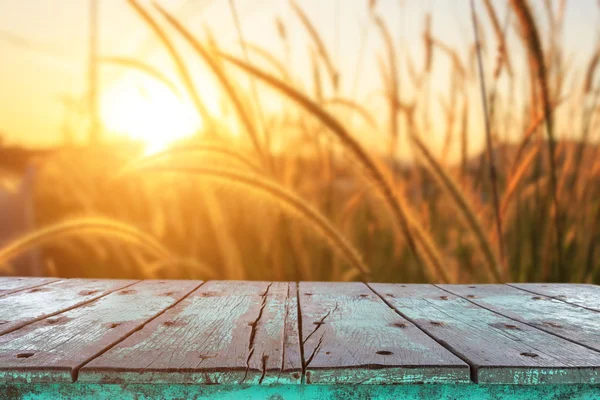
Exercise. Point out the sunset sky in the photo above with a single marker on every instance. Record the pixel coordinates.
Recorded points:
(44, 53)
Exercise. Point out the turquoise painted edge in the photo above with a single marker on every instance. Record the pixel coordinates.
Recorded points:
(314, 392)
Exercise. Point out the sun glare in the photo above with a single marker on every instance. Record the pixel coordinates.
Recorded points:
(148, 112)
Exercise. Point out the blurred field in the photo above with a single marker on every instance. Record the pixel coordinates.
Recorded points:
(317, 191)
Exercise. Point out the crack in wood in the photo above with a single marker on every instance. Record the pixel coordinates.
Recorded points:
(300, 341)
(283, 337)
(315, 351)
(320, 323)
(76, 369)
(317, 348)
(264, 368)
(254, 326)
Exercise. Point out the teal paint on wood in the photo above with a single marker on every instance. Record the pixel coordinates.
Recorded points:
(583, 295)
(224, 332)
(351, 336)
(562, 319)
(305, 392)
(21, 308)
(52, 349)
(10, 285)
(500, 350)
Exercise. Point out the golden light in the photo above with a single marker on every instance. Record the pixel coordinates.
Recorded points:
(150, 112)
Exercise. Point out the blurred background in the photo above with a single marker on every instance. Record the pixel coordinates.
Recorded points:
(397, 141)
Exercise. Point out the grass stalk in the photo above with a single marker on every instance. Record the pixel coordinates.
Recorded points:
(221, 76)
(374, 172)
(182, 69)
(76, 226)
(531, 38)
(488, 137)
(288, 201)
(462, 204)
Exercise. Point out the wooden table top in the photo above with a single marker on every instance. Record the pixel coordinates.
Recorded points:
(265, 333)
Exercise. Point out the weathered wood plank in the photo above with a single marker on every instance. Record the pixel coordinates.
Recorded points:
(9, 284)
(52, 350)
(562, 319)
(583, 295)
(292, 357)
(498, 349)
(351, 336)
(24, 307)
(225, 332)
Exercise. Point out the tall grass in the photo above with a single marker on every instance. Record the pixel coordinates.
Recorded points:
(371, 167)
(239, 207)
(531, 38)
(112, 229)
(287, 200)
(488, 137)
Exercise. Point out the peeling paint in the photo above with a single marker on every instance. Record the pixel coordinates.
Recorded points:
(293, 392)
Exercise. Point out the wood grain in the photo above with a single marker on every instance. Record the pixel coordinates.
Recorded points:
(173, 334)
(9, 284)
(24, 307)
(351, 336)
(553, 316)
(52, 350)
(583, 295)
(225, 332)
(499, 349)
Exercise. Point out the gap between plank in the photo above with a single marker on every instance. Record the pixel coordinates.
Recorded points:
(518, 320)
(45, 316)
(252, 337)
(75, 370)
(472, 368)
(32, 287)
(285, 319)
(301, 342)
(552, 297)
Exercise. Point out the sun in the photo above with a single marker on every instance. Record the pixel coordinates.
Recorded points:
(149, 112)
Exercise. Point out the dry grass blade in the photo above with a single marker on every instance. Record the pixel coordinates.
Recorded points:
(463, 207)
(176, 57)
(316, 73)
(382, 181)
(393, 83)
(516, 178)
(270, 58)
(536, 60)
(464, 137)
(415, 78)
(499, 33)
(255, 97)
(589, 76)
(452, 54)
(191, 150)
(333, 74)
(221, 76)
(428, 43)
(525, 195)
(433, 261)
(143, 68)
(77, 226)
(354, 106)
(287, 200)
(535, 124)
(488, 137)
